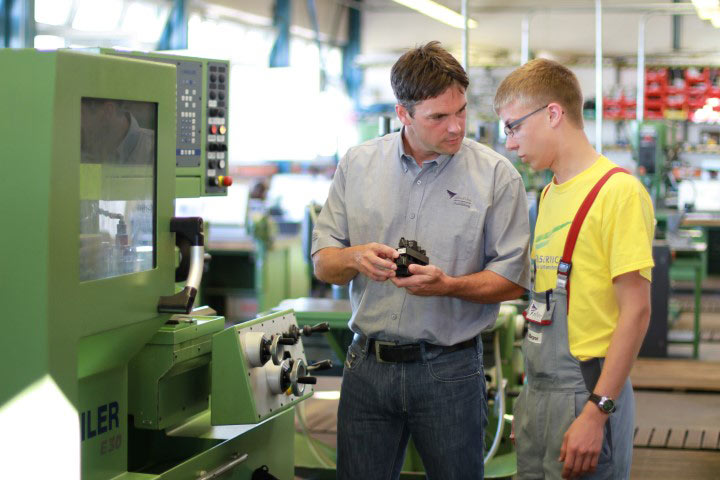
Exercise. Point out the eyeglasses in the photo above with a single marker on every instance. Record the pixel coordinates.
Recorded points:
(509, 132)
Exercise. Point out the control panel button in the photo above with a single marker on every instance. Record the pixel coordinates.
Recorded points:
(223, 130)
(213, 77)
(214, 129)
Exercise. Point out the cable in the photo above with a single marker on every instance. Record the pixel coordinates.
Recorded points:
(325, 462)
(499, 399)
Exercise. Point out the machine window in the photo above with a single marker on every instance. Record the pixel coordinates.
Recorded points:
(117, 187)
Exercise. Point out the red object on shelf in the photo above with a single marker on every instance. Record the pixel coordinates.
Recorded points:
(628, 102)
(629, 114)
(654, 103)
(697, 89)
(654, 112)
(714, 92)
(656, 75)
(675, 101)
(703, 76)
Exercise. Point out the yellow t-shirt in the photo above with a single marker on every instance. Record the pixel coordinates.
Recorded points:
(615, 238)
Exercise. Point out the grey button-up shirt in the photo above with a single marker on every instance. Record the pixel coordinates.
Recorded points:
(468, 211)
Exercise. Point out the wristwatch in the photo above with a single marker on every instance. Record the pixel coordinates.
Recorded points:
(605, 404)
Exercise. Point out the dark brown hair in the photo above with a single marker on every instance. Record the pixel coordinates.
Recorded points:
(540, 82)
(425, 72)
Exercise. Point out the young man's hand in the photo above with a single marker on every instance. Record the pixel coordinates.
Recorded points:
(425, 281)
(582, 442)
(375, 260)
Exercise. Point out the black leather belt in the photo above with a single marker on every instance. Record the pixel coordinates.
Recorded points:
(409, 352)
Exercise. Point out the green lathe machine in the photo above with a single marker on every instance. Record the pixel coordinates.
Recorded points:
(107, 371)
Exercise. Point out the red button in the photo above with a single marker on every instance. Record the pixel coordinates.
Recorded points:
(213, 129)
(224, 181)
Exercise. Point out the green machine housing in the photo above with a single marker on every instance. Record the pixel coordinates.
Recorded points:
(101, 379)
(202, 117)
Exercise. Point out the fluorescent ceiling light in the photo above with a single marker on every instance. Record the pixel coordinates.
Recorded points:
(707, 9)
(52, 12)
(144, 20)
(48, 42)
(438, 12)
(715, 19)
(94, 16)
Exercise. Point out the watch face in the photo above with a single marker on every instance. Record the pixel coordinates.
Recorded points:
(607, 405)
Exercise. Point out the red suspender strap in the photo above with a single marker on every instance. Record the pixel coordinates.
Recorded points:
(566, 262)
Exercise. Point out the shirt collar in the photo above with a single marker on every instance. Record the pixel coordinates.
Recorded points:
(407, 160)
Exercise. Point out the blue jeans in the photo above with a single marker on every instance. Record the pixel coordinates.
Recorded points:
(439, 401)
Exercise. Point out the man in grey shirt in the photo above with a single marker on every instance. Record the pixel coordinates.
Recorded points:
(415, 365)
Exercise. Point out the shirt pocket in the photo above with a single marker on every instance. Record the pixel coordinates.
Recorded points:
(452, 235)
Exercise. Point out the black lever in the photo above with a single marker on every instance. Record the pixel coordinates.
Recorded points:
(319, 328)
(307, 380)
(321, 365)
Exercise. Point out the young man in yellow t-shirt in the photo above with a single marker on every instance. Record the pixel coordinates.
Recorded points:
(590, 308)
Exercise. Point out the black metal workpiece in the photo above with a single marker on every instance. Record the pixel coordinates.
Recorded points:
(410, 252)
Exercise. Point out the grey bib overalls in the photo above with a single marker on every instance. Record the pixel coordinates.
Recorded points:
(556, 393)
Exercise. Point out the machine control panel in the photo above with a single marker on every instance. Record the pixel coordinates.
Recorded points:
(217, 127)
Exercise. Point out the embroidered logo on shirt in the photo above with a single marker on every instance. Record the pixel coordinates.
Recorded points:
(457, 200)
(462, 201)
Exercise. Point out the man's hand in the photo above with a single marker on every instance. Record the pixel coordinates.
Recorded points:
(425, 281)
(375, 260)
(582, 442)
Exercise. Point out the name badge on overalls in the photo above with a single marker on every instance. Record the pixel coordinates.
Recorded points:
(539, 311)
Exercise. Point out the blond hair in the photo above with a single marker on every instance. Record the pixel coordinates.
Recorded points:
(540, 82)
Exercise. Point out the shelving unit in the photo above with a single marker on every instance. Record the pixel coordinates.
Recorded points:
(670, 93)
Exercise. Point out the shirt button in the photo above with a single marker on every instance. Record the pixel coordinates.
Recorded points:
(412, 215)
(393, 316)
(419, 182)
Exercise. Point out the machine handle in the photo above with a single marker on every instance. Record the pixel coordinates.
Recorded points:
(321, 365)
(307, 380)
(191, 241)
(319, 328)
(229, 465)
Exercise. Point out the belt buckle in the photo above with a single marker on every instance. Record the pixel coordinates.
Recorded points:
(377, 345)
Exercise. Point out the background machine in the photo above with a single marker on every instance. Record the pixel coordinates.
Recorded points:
(108, 372)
